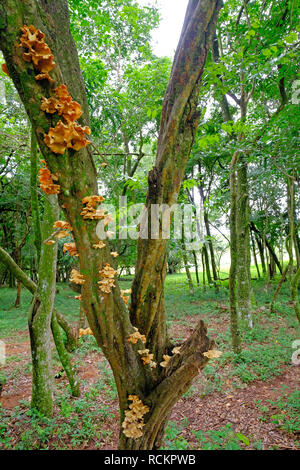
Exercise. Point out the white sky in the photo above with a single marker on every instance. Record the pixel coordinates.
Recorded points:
(166, 37)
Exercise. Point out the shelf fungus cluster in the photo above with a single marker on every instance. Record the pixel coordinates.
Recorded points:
(46, 179)
(134, 418)
(67, 134)
(62, 229)
(71, 249)
(62, 104)
(166, 358)
(85, 332)
(77, 278)
(37, 52)
(147, 358)
(136, 336)
(107, 282)
(99, 245)
(89, 212)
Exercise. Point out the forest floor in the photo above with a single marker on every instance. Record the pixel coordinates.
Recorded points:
(246, 402)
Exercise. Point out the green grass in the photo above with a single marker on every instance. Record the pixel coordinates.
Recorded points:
(285, 412)
(223, 438)
(13, 320)
(267, 349)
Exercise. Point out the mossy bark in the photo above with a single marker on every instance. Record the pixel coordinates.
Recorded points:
(39, 320)
(34, 196)
(64, 357)
(243, 273)
(293, 247)
(107, 315)
(187, 269)
(234, 319)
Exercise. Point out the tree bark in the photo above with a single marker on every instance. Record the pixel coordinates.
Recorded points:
(196, 267)
(243, 272)
(234, 319)
(270, 249)
(40, 314)
(187, 269)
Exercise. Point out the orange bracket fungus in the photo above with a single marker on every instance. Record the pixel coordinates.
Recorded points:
(46, 180)
(136, 336)
(76, 277)
(134, 421)
(37, 52)
(90, 212)
(99, 245)
(107, 281)
(147, 358)
(71, 249)
(165, 361)
(63, 225)
(124, 297)
(67, 134)
(85, 332)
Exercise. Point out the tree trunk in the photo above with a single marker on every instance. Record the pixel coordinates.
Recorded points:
(268, 246)
(295, 278)
(261, 251)
(234, 319)
(34, 197)
(108, 317)
(64, 357)
(196, 267)
(254, 254)
(207, 267)
(187, 269)
(18, 298)
(211, 251)
(40, 314)
(243, 272)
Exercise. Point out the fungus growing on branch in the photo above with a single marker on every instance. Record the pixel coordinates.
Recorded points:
(65, 136)
(76, 277)
(165, 361)
(136, 336)
(124, 296)
(85, 332)
(147, 358)
(62, 224)
(89, 211)
(46, 180)
(37, 52)
(134, 421)
(71, 249)
(99, 245)
(107, 281)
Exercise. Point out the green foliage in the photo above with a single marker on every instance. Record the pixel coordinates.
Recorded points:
(224, 438)
(82, 423)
